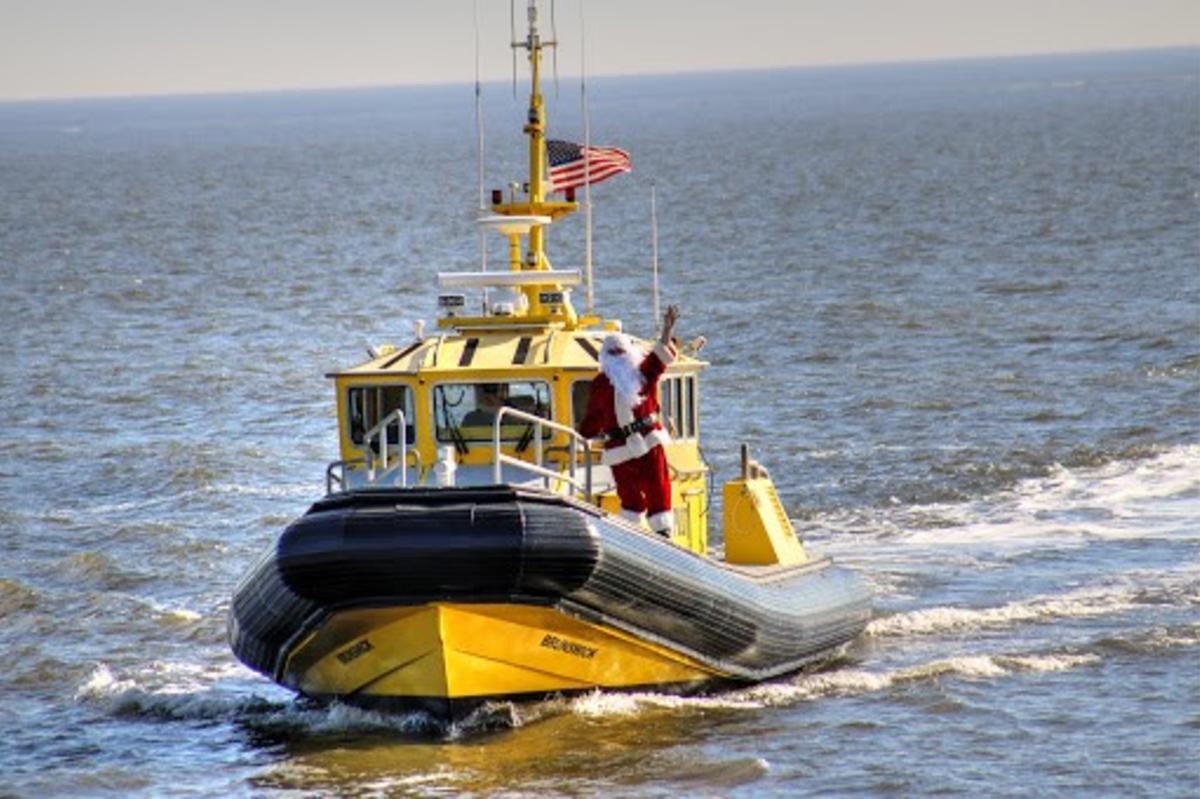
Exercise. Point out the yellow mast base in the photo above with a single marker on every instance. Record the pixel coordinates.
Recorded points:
(555, 209)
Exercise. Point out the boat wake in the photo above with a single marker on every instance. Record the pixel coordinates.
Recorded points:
(175, 691)
(1181, 587)
(836, 683)
(1157, 496)
(169, 691)
(850, 682)
(172, 691)
(1124, 499)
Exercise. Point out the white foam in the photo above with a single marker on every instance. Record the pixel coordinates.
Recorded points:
(970, 666)
(101, 684)
(1080, 603)
(840, 682)
(168, 677)
(1154, 497)
(194, 691)
(853, 682)
(170, 613)
(598, 704)
(182, 614)
(1133, 589)
(1046, 662)
(129, 696)
(338, 718)
(170, 689)
(1169, 640)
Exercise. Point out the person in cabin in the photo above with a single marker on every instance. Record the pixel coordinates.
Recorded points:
(623, 410)
(489, 399)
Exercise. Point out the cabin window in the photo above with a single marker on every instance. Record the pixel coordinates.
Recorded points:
(466, 411)
(677, 401)
(667, 403)
(687, 403)
(581, 395)
(369, 405)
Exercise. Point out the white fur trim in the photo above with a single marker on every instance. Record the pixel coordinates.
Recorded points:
(655, 438)
(622, 411)
(662, 522)
(637, 518)
(636, 443)
(665, 354)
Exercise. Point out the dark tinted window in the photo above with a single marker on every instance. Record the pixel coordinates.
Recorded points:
(469, 409)
(368, 405)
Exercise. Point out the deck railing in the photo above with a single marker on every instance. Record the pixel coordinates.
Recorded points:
(576, 444)
(377, 465)
(379, 431)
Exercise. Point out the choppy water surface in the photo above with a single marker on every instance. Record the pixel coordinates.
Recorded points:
(955, 308)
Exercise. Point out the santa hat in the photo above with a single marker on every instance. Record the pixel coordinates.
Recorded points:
(616, 343)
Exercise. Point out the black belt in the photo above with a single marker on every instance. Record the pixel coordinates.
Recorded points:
(641, 425)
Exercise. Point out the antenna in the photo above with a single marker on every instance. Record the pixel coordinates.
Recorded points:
(654, 250)
(512, 27)
(554, 36)
(587, 145)
(483, 260)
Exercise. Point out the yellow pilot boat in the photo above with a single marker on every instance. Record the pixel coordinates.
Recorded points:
(469, 546)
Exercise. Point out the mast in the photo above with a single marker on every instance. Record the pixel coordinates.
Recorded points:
(543, 292)
(534, 257)
(536, 130)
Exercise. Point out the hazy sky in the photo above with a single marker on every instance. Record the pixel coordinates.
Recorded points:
(63, 48)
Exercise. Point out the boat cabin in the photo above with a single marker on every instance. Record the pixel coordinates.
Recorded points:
(496, 399)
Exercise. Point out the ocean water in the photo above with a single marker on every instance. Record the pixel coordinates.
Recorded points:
(955, 309)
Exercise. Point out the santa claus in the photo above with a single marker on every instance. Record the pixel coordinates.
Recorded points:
(623, 410)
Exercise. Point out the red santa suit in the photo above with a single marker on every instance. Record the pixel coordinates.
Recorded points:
(633, 432)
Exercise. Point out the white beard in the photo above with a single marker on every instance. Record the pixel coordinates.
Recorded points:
(624, 372)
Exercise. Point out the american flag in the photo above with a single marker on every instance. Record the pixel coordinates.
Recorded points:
(569, 168)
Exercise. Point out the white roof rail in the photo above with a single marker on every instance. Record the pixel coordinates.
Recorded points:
(561, 277)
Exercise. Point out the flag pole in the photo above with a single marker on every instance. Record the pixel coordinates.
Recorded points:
(654, 253)
(483, 259)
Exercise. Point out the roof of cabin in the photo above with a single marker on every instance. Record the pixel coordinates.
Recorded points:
(477, 351)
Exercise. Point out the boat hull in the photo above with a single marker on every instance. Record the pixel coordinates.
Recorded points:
(446, 658)
(442, 599)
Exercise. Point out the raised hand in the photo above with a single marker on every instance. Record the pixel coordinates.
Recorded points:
(670, 317)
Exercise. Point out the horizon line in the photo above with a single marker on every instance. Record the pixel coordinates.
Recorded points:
(150, 95)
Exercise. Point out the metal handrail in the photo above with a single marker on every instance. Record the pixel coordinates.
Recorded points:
(341, 476)
(380, 431)
(335, 472)
(574, 442)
